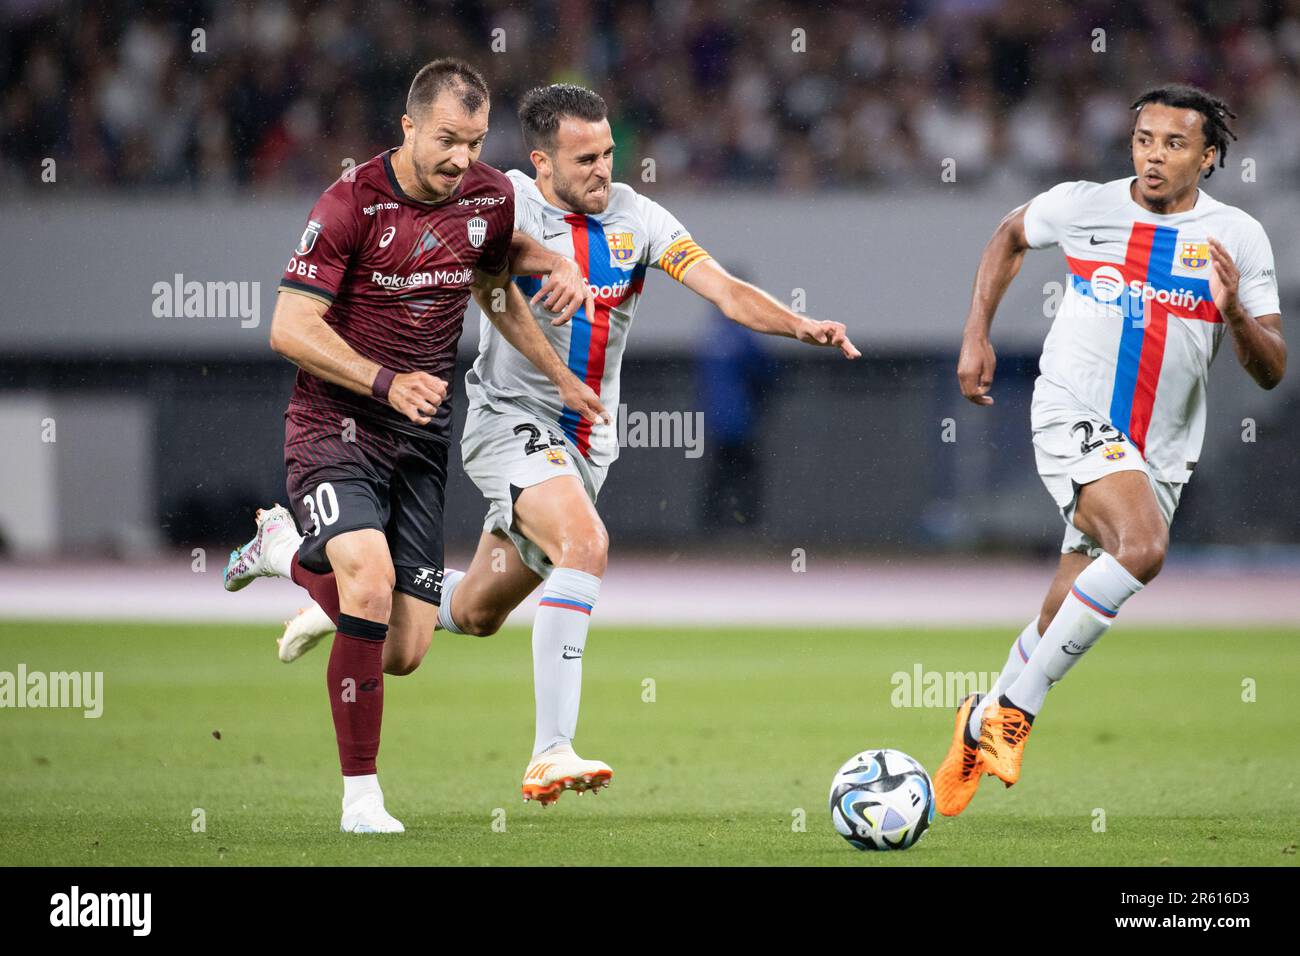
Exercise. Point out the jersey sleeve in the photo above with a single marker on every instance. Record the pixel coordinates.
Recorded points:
(1257, 287)
(494, 258)
(1050, 212)
(320, 260)
(528, 216)
(671, 247)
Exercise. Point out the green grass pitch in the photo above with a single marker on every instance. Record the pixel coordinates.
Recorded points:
(746, 727)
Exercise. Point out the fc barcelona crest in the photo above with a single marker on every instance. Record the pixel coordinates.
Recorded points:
(555, 456)
(1194, 255)
(621, 246)
(477, 231)
(308, 240)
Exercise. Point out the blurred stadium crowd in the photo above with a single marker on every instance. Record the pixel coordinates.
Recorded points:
(286, 91)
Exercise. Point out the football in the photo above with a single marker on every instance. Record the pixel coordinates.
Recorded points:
(881, 800)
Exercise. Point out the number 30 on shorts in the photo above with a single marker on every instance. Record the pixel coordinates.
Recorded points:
(323, 506)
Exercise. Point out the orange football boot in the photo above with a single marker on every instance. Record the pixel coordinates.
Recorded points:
(551, 773)
(1002, 740)
(959, 774)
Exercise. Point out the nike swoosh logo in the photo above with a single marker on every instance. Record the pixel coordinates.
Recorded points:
(554, 235)
(1094, 241)
(1070, 652)
(572, 657)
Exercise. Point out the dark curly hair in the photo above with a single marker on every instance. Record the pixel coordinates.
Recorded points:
(1214, 111)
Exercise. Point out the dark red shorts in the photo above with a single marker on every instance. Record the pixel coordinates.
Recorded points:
(346, 473)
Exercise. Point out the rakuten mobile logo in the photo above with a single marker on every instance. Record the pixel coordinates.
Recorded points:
(440, 277)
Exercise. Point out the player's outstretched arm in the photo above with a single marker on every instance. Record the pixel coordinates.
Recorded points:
(300, 333)
(999, 264)
(1258, 341)
(504, 305)
(565, 289)
(753, 308)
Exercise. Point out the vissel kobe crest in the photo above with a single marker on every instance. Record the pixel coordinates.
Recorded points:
(477, 231)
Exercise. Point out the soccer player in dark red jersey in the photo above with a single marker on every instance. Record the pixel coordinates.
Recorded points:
(371, 309)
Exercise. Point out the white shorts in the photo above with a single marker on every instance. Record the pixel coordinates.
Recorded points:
(504, 450)
(1073, 447)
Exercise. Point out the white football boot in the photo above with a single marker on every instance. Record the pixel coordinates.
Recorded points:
(552, 772)
(305, 631)
(367, 815)
(269, 552)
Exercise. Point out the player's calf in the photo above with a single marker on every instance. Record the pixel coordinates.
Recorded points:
(401, 664)
(410, 633)
(478, 601)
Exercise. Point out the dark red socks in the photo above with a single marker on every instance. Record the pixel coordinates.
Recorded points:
(356, 687)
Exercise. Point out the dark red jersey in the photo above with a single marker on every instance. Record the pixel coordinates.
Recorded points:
(396, 273)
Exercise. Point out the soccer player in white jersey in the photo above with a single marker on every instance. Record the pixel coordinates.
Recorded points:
(1159, 272)
(541, 465)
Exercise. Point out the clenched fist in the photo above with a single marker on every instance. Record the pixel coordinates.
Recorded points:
(417, 395)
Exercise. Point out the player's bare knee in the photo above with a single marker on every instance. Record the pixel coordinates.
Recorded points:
(369, 596)
(587, 551)
(481, 622)
(1144, 556)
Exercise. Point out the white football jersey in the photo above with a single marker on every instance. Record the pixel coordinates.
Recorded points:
(1137, 328)
(613, 248)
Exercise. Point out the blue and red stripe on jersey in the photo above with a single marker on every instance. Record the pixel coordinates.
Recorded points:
(589, 335)
(1149, 259)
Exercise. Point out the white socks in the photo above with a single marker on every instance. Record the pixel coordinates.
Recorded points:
(1017, 657)
(279, 555)
(1087, 612)
(450, 579)
(559, 636)
(354, 788)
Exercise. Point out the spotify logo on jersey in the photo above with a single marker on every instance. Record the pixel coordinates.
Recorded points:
(1107, 284)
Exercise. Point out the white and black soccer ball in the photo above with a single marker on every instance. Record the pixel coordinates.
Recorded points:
(882, 800)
